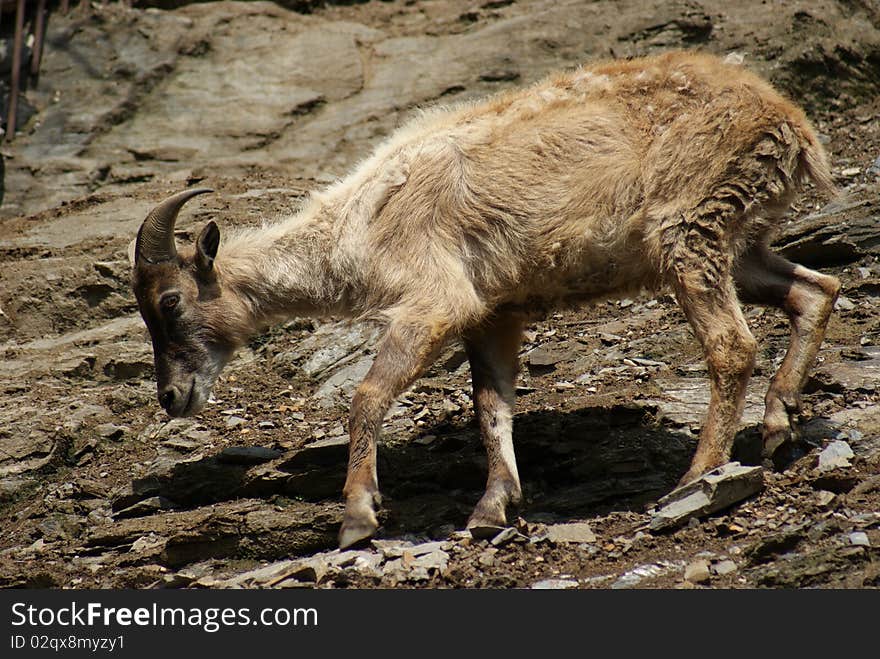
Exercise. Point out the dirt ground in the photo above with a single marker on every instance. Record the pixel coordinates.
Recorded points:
(99, 489)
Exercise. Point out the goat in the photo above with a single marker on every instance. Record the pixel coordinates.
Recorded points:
(666, 171)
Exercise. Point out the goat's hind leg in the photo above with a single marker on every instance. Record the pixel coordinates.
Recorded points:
(699, 267)
(730, 349)
(493, 354)
(406, 350)
(807, 297)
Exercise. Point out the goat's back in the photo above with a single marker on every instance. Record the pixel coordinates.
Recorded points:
(556, 191)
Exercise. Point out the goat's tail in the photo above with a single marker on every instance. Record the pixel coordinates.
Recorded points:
(813, 162)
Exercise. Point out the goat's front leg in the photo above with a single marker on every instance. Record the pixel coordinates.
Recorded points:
(807, 297)
(493, 354)
(406, 350)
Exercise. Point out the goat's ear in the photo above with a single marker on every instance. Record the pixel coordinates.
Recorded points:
(206, 247)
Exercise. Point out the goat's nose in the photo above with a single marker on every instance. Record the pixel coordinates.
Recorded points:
(166, 399)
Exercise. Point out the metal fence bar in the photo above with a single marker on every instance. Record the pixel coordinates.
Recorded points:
(39, 36)
(37, 25)
(16, 69)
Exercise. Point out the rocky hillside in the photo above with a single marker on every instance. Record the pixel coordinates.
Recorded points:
(262, 103)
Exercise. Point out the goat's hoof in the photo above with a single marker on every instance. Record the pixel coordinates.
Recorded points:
(782, 449)
(774, 440)
(484, 531)
(359, 522)
(356, 531)
(488, 518)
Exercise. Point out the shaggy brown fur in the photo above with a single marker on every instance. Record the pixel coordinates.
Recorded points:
(623, 176)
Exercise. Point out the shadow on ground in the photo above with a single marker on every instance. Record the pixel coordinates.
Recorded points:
(574, 464)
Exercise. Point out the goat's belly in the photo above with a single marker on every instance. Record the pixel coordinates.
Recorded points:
(571, 287)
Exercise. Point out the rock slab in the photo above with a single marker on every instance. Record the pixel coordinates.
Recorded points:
(713, 491)
(576, 532)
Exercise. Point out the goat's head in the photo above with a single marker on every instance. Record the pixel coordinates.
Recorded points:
(179, 297)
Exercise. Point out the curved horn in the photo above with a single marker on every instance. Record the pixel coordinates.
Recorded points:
(155, 240)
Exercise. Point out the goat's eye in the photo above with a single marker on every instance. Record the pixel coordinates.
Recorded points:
(169, 302)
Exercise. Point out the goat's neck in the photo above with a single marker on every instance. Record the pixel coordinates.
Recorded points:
(285, 270)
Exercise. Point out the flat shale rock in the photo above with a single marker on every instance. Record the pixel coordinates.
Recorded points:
(824, 238)
(305, 571)
(334, 345)
(633, 578)
(111, 431)
(862, 375)
(509, 534)
(862, 428)
(147, 506)
(330, 451)
(240, 529)
(335, 354)
(859, 538)
(398, 560)
(544, 358)
(195, 480)
(435, 560)
(554, 584)
(13, 485)
(811, 568)
(723, 568)
(339, 387)
(576, 532)
(274, 573)
(60, 526)
(314, 472)
(713, 491)
(400, 548)
(27, 451)
(248, 455)
(684, 401)
(836, 455)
